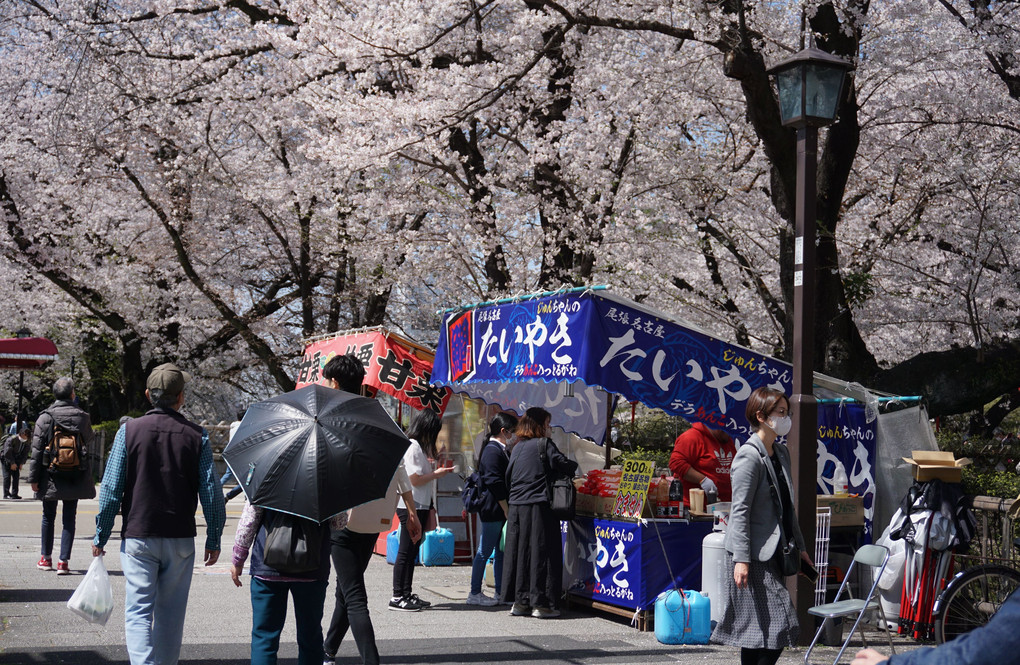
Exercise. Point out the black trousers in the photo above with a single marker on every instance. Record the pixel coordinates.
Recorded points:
(533, 560)
(407, 554)
(351, 553)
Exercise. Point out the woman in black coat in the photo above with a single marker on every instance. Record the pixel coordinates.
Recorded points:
(533, 560)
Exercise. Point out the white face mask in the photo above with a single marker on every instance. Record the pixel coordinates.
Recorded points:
(781, 426)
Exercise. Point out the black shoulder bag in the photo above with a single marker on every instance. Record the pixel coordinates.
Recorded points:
(293, 544)
(562, 493)
(789, 555)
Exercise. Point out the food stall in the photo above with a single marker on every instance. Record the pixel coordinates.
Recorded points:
(398, 367)
(574, 353)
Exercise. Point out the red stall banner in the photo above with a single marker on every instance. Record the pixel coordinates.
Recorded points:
(393, 364)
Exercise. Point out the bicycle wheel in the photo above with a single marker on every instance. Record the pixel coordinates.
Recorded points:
(971, 599)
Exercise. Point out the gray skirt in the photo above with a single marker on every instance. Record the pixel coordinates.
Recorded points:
(759, 616)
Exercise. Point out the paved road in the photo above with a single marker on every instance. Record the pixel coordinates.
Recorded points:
(36, 627)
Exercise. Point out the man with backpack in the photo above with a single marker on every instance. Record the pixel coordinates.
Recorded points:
(160, 467)
(15, 453)
(60, 469)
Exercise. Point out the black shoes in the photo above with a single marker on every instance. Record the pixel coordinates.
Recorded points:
(408, 604)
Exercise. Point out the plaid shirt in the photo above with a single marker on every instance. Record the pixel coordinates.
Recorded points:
(111, 492)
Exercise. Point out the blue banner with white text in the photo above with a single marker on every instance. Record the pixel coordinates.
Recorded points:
(846, 441)
(610, 343)
(625, 564)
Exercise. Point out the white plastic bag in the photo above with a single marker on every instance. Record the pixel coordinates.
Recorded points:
(93, 599)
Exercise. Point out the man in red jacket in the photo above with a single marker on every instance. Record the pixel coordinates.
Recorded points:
(702, 457)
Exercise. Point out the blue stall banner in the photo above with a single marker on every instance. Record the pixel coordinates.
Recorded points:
(612, 343)
(847, 440)
(623, 563)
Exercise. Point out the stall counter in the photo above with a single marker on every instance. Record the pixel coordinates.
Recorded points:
(624, 564)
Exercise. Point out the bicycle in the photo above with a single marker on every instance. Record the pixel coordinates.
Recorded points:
(972, 597)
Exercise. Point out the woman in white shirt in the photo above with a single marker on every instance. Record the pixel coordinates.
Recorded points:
(423, 432)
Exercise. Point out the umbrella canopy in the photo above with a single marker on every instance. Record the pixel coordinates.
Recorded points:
(315, 452)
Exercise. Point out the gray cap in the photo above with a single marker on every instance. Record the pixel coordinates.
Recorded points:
(167, 378)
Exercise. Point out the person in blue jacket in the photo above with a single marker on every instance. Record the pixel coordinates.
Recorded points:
(996, 642)
(492, 463)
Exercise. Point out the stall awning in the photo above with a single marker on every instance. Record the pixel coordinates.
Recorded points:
(393, 364)
(26, 353)
(593, 339)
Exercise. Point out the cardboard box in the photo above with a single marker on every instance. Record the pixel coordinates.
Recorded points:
(585, 504)
(845, 510)
(931, 464)
(605, 505)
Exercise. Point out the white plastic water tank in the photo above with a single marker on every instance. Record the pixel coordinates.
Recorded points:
(714, 573)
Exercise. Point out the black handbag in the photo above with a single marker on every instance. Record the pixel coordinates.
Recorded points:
(789, 557)
(293, 544)
(563, 496)
(562, 493)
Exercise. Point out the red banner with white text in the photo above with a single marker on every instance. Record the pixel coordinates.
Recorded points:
(390, 366)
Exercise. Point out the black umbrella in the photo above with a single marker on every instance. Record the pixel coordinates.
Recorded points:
(315, 452)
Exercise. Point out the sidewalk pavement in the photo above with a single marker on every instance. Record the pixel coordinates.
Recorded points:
(36, 627)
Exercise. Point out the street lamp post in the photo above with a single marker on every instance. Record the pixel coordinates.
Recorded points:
(810, 85)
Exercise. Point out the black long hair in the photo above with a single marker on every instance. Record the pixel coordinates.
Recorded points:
(424, 429)
(502, 421)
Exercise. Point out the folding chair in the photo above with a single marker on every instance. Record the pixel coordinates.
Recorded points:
(875, 557)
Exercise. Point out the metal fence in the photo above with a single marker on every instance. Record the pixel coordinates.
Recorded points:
(995, 531)
(219, 434)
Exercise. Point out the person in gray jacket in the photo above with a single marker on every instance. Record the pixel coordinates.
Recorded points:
(51, 487)
(759, 616)
(15, 454)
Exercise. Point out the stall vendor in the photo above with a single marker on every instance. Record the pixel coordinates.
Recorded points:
(702, 458)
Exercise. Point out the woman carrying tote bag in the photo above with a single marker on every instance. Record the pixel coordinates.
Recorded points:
(533, 560)
(762, 531)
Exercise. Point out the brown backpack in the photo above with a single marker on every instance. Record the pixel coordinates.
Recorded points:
(64, 451)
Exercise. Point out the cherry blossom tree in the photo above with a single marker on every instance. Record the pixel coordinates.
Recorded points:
(213, 180)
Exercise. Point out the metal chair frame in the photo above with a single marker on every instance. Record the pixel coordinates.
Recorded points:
(875, 557)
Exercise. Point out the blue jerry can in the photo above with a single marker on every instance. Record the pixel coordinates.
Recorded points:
(392, 544)
(437, 548)
(682, 618)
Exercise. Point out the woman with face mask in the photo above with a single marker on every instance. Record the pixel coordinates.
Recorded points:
(759, 616)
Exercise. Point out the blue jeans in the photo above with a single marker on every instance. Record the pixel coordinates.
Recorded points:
(157, 580)
(236, 488)
(489, 542)
(269, 612)
(49, 516)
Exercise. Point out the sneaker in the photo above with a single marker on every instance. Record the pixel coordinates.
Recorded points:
(545, 613)
(45, 563)
(418, 601)
(63, 568)
(405, 604)
(519, 610)
(327, 659)
(16, 497)
(481, 599)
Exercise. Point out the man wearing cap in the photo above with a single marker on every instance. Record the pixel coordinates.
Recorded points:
(159, 468)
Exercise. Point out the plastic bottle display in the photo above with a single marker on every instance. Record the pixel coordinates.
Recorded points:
(676, 497)
(662, 497)
(839, 482)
